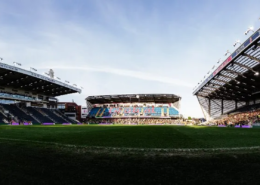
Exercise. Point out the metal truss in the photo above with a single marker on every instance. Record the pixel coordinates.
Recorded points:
(215, 108)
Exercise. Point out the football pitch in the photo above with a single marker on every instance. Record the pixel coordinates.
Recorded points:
(128, 155)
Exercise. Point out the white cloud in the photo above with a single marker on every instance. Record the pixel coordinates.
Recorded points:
(125, 72)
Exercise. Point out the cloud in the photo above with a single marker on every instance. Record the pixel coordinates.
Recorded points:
(130, 73)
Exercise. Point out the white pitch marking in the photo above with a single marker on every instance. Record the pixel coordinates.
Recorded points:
(137, 149)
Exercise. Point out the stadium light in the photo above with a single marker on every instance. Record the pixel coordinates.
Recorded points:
(256, 73)
(57, 78)
(227, 53)
(249, 29)
(219, 60)
(67, 81)
(15, 63)
(1, 59)
(31, 68)
(46, 74)
(75, 85)
(237, 42)
(81, 87)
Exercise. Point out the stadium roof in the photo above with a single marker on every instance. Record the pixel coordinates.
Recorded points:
(134, 98)
(237, 78)
(21, 79)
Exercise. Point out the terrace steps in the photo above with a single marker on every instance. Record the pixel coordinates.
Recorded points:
(162, 112)
(102, 112)
(97, 112)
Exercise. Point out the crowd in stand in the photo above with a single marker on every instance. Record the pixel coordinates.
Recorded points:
(246, 118)
(136, 121)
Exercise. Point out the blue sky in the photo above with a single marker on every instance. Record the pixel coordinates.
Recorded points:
(125, 46)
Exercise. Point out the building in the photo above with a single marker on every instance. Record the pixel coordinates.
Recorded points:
(234, 84)
(26, 96)
(138, 106)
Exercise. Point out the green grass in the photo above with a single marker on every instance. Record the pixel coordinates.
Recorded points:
(86, 155)
(137, 136)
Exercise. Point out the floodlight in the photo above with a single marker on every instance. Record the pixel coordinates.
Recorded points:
(219, 60)
(237, 42)
(227, 53)
(31, 68)
(256, 73)
(249, 29)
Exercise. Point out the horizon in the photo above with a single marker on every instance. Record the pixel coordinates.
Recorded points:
(125, 47)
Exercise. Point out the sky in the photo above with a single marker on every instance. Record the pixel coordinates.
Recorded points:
(125, 46)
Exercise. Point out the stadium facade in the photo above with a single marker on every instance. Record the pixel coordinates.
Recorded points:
(138, 106)
(31, 98)
(234, 84)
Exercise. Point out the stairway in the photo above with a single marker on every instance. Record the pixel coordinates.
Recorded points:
(67, 121)
(6, 107)
(102, 112)
(35, 121)
(162, 112)
(122, 111)
(97, 112)
(58, 112)
(42, 118)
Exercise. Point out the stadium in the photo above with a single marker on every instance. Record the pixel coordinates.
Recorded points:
(230, 94)
(119, 138)
(28, 98)
(134, 109)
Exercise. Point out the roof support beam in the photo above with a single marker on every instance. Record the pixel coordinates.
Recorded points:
(215, 84)
(221, 80)
(213, 87)
(209, 88)
(234, 72)
(232, 78)
(244, 66)
(251, 57)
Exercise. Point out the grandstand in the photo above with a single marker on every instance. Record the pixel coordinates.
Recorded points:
(27, 97)
(133, 107)
(233, 86)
